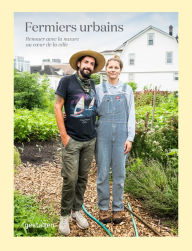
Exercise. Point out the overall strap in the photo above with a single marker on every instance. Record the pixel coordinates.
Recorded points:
(92, 84)
(104, 88)
(124, 88)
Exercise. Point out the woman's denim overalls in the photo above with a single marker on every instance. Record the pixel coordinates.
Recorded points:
(112, 133)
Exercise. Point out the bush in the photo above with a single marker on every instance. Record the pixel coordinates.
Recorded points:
(155, 185)
(133, 85)
(32, 92)
(164, 116)
(153, 175)
(96, 78)
(17, 160)
(34, 125)
(28, 220)
(155, 144)
(146, 97)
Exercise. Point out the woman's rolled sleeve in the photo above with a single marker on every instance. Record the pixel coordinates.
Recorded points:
(131, 118)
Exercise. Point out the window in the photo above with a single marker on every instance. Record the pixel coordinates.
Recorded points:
(169, 57)
(150, 38)
(131, 59)
(131, 77)
(175, 76)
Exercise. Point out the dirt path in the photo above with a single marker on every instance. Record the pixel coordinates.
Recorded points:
(39, 174)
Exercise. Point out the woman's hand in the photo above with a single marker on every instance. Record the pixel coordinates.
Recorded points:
(127, 146)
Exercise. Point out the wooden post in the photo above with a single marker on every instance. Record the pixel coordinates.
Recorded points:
(154, 101)
(146, 120)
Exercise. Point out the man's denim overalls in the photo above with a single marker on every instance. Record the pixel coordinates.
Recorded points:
(112, 133)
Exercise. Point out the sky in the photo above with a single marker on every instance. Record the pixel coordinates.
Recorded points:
(131, 23)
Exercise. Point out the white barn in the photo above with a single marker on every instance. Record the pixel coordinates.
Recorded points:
(150, 59)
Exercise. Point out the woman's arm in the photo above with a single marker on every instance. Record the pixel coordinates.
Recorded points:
(130, 123)
(131, 118)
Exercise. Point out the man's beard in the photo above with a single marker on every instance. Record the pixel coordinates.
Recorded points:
(85, 75)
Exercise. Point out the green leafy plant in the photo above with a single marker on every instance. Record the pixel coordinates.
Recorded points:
(28, 219)
(17, 159)
(155, 185)
(34, 125)
(146, 97)
(133, 85)
(156, 142)
(152, 172)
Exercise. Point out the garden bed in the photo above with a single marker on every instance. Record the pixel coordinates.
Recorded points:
(40, 176)
(38, 151)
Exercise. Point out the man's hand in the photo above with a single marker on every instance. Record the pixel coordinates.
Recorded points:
(127, 146)
(65, 140)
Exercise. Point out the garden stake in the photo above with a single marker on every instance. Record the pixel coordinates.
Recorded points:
(154, 101)
(142, 221)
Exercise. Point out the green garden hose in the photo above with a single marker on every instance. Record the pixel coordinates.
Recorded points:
(98, 222)
(133, 220)
(103, 226)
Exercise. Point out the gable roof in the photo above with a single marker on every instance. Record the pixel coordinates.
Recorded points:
(140, 33)
(109, 51)
(60, 70)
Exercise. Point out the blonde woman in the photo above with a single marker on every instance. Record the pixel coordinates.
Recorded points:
(115, 134)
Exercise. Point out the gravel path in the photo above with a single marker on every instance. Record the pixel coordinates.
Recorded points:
(44, 180)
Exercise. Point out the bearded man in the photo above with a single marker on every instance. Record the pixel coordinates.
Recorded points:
(76, 93)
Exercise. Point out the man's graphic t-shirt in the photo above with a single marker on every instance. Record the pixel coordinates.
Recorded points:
(80, 108)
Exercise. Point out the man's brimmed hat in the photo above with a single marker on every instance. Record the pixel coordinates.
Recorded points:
(100, 60)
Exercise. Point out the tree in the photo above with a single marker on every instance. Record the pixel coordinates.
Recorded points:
(96, 78)
(31, 92)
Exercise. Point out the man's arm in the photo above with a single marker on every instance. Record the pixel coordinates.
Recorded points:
(59, 103)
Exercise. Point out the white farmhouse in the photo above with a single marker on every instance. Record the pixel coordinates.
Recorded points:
(150, 59)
